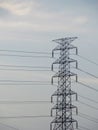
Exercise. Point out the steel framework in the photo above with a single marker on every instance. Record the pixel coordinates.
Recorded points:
(63, 108)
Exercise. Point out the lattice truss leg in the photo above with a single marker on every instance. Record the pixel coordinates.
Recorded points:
(63, 108)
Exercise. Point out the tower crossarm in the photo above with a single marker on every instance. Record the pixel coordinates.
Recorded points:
(63, 74)
(63, 41)
(58, 48)
(62, 61)
(62, 93)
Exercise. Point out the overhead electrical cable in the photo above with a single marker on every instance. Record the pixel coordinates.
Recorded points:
(23, 51)
(86, 59)
(88, 119)
(88, 86)
(85, 72)
(88, 105)
(86, 115)
(87, 98)
(28, 56)
(25, 70)
(23, 81)
(25, 116)
(93, 62)
(25, 102)
(9, 126)
(22, 66)
(84, 127)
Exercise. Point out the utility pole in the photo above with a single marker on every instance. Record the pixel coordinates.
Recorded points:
(62, 110)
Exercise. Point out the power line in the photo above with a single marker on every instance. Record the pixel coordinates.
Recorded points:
(9, 126)
(88, 86)
(88, 105)
(18, 82)
(86, 115)
(24, 81)
(34, 85)
(84, 127)
(22, 66)
(39, 52)
(93, 62)
(28, 56)
(44, 102)
(23, 51)
(79, 128)
(85, 58)
(42, 116)
(87, 73)
(87, 118)
(24, 70)
(24, 102)
(87, 98)
(23, 116)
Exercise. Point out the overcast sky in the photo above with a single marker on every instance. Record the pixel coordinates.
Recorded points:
(31, 25)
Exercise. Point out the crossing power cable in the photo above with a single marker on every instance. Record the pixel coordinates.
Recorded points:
(22, 66)
(93, 62)
(88, 98)
(44, 102)
(41, 52)
(87, 118)
(87, 73)
(24, 82)
(25, 116)
(25, 102)
(40, 116)
(14, 85)
(24, 51)
(84, 127)
(94, 76)
(88, 105)
(86, 115)
(26, 56)
(88, 86)
(8, 126)
(46, 116)
(38, 101)
(26, 70)
(86, 59)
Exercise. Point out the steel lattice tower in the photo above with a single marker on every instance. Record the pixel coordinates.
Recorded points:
(63, 108)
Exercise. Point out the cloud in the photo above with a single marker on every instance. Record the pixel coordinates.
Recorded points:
(30, 15)
(4, 12)
(19, 7)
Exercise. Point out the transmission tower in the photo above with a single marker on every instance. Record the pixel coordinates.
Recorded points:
(62, 110)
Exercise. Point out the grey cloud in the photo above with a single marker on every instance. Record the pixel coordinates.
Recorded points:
(4, 12)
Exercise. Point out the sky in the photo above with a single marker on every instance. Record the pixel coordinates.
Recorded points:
(31, 25)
